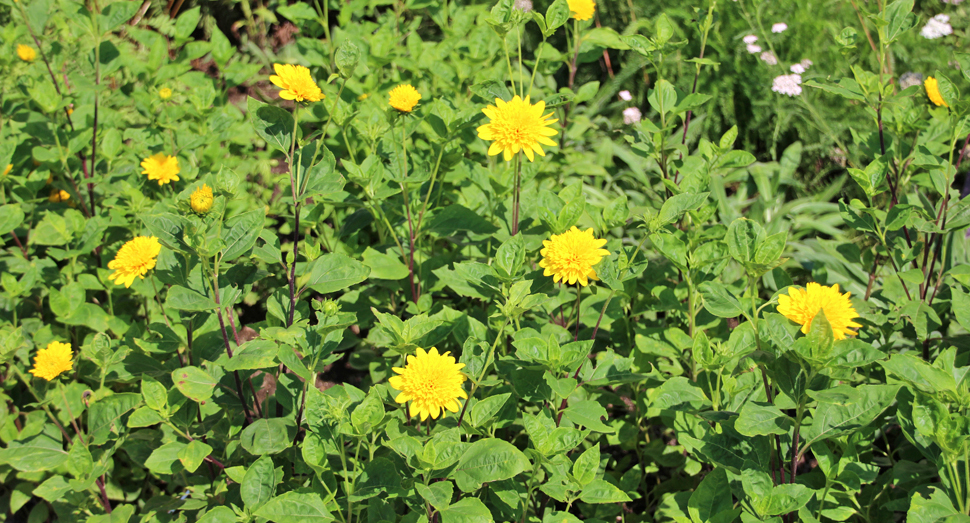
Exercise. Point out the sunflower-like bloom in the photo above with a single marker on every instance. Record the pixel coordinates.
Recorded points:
(161, 167)
(201, 199)
(582, 9)
(59, 196)
(26, 52)
(517, 125)
(7, 169)
(933, 92)
(296, 83)
(801, 306)
(135, 258)
(404, 97)
(431, 382)
(570, 256)
(165, 93)
(49, 363)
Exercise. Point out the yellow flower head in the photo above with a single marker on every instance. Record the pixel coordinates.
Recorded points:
(582, 9)
(404, 97)
(801, 306)
(201, 199)
(59, 196)
(135, 258)
(7, 170)
(431, 382)
(933, 91)
(26, 52)
(49, 363)
(517, 125)
(161, 167)
(363, 97)
(570, 256)
(165, 93)
(296, 83)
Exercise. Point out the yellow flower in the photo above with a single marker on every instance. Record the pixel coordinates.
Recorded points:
(517, 125)
(801, 306)
(933, 92)
(135, 258)
(404, 97)
(201, 199)
(26, 52)
(164, 93)
(582, 9)
(431, 382)
(161, 167)
(7, 170)
(296, 83)
(570, 256)
(59, 196)
(363, 97)
(49, 363)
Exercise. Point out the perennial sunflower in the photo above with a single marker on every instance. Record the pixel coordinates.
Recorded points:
(801, 306)
(404, 97)
(201, 199)
(431, 382)
(517, 125)
(135, 258)
(165, 93)
(59, 196)
(933, 92)
(582, 9)
(7, 169)
(570, 256)
(26, 52)
(296, 83)
(49, 363)
(161, 167)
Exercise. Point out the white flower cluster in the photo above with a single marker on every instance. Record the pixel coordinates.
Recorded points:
(780, 27)
(631, 115)
(910, 79)
(789, 84)
(626, 96)
(937, 27)
(954, 2)
(801, 67)
(769, 58)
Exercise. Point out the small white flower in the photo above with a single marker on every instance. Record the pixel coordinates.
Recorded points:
(631, 115)
(750, 39)
(806, 63)
(769, 58)
(523, 5)
(910, 79)
(780, 27)
(954, 2)
(754, 48)
(626, 96)
(787, 84)
(937, 27)
(797, 68)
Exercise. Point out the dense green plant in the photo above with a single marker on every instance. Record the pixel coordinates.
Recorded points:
(309, 249)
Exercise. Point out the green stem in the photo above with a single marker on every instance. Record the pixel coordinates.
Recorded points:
(535, 66)
(159, 301)
(481, 375)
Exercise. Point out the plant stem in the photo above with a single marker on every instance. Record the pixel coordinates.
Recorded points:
(407, 212)
(294, 181)
(159, 301)
(481, 375)
(225, 338)
(602, 312)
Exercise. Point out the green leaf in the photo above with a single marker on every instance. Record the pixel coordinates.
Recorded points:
(295, 507)
(379, 476)
(961, 306)
(184, 299)
(116, 14)
(259, 483)
(488, 460)
(601, 491)
(919, 374)
(934, 509)
(106, 416)
(194, 383)
(367, 415)
(252, 355)
(346, 57)
(186, 23)
(36, 454)
(485, 409)
(219, 515)
(844, 409)
(711, 497)
(194, 454)
(165, 459)
(242, 233)
(675, 207)
(334, 272)
(761, 419)
(297, 12)
(556, 15)
(467, 510)
(11, 216)
(456, 218)
(268, 436)
(587, 413)
(677, 391)
(663, 97)
(384, 266)
(439, 493)
(743, 238)
(168, 228)
(272, 124)
(587, 466)
(719, 301)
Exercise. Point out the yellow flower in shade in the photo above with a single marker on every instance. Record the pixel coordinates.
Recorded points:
(516, 126)
(431, 382)
(49, 363)
(7, 170)
(404, 97)
(201, 199)
(296, 83)
(582, 9)
(164, 93)
(933, 92)
(801, 306)
(363, 97)
(135, 258)
(161, 167)
(59, 196)
(570, 256)
(26, 52)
